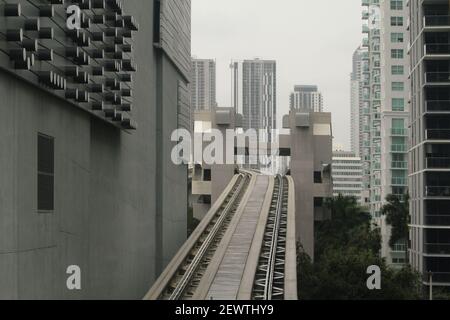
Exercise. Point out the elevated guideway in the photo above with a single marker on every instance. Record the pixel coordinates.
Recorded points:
(243, 249)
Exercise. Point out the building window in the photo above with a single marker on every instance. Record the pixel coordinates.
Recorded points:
(397, 37)
(397, 21)
(318, 202)
(157, 21)
(46, 172)
(398, 70)
(398, 104)
(397, 54)
(398, 86)
(207, 175)
(317, 177)
(396, 4)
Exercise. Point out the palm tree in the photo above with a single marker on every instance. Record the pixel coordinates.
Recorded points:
(397, 215)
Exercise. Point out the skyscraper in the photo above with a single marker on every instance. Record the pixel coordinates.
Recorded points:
(306, 97)
(255, 94)
(357, 78)
(430, 140)
(385, 111)
(203, 84)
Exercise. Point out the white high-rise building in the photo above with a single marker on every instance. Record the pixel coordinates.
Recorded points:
(357, 78)
(254, 95)
(385, 111)
(203, 84)
(306, 98)
(347, 175)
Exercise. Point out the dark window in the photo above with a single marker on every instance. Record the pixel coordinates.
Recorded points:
(46, 171)
(318, 202)
(207, 175)
(156, 21)
(317, 177)
(204, 199)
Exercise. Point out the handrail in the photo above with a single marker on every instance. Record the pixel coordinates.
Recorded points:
(164, 279)
(290, 274)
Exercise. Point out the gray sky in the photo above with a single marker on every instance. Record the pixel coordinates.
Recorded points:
(312, 42)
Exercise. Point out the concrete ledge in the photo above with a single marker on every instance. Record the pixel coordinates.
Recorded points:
(164, 279)
(290, 280)
(246, 288)
(213, 267)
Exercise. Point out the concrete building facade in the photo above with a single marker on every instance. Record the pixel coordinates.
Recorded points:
(306, 98)
(429, 155)
(210, 180)
(203, 84)
(79, 184)
(309, 145)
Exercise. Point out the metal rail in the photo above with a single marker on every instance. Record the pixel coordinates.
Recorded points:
(188, 276)
(270, 273)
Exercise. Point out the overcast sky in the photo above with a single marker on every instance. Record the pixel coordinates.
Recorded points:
(312, 42)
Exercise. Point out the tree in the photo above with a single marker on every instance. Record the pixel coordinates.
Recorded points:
(397, 216)
(346, 246)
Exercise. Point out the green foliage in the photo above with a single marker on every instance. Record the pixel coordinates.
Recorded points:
(346, 246)
(397, 216)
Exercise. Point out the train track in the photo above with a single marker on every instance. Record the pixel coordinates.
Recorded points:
(186, 279)
(270, 274)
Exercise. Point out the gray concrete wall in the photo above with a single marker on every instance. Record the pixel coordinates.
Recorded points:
(120, 204)
(172, 180)
(302, 170)
(310, 151)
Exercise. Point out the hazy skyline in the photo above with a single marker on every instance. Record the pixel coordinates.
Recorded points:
(312, 42)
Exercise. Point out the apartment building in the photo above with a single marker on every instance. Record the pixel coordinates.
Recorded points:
(429, 156)
(385, 110)
(255, 94)
(306, 98)
(357, 77)
(347, 175)
(203, 84)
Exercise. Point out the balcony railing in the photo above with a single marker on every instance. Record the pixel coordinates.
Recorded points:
(399, 132)
(438, 277)
(437, 220)
(436, 21)
(399, 165)
(438, 191)
(365, 42)
(437, 48)
(438, 163)
(365, 15)
(438, 134)
(437, 248)
(437, 77)
(398, 148)
(438, 105)
(399, 181)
